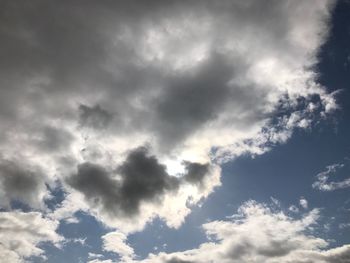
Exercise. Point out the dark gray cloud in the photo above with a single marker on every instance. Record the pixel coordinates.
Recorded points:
(94, 117)
(21, 183)
(140, 178)
(196, 172)
(144, 178)
(190, 101)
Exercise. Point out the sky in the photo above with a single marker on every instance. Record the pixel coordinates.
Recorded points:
(174, 131)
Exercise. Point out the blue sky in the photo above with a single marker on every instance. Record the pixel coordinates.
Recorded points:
(186, 132)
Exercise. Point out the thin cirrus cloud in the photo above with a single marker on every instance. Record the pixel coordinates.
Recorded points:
(84, 85)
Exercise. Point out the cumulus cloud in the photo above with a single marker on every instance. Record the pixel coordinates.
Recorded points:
(22, 233)
(140, 188)
(185, 78)
(200, 82)
(117, 242)
(259, 234)
(323, 182)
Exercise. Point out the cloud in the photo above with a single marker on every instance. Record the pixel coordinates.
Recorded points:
(94, 256)
(191, 101)
(94, 117)
(20, 182)
(344, 225)
(259, 234)
(116, 242)
(81, 241)
(140, 189)
(303, 203)
(293, 209)
(199, 82)
(100, 261)
(22, 233)
(323, 184)
(53, 139)
(184, 77)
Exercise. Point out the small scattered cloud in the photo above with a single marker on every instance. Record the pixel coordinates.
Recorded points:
(323, 182)
(80, 241)
(116, 242)
(100, 261)
(94, 256)
(304, 203)
(344, 225)
(294, 209)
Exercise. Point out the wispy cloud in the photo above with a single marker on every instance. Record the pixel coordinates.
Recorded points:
(323, 181)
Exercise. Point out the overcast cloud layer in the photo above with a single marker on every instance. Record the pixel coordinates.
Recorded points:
(130, 107)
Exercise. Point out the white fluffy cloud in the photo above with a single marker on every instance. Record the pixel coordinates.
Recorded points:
(117, 242)
(303, 203)
(22, 233)
(259, 234)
